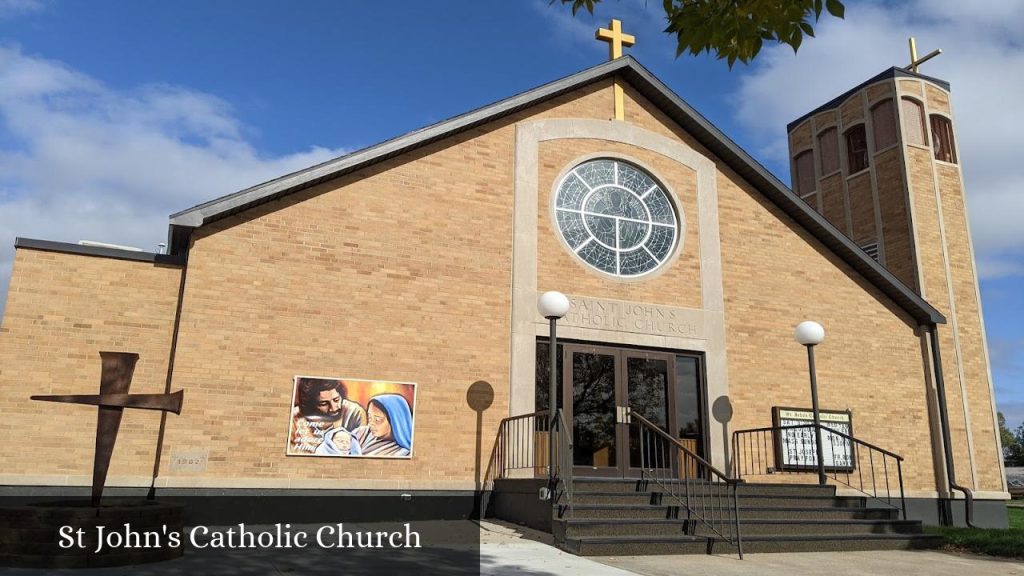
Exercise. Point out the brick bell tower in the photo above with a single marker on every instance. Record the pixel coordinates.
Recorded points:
(881, 163)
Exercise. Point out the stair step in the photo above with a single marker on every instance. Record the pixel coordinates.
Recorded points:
(808, 513)
(635, 545)
(683, 544)
(821, 527)
(655, 496)
(616, 511)
(638, 485)
(668, 527)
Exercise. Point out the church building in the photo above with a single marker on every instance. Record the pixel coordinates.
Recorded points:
(371, 323)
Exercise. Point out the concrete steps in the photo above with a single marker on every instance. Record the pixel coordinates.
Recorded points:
(631, 517)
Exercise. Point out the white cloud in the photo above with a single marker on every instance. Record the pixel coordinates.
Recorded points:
(79, 160)
(982, 59)
(12, 8)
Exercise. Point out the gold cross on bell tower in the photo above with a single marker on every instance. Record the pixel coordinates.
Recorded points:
(616, 39)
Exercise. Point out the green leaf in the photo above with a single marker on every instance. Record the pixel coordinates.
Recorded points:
(807, 28)
(835, 8)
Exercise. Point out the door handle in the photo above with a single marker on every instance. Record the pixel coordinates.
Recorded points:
(622, 414)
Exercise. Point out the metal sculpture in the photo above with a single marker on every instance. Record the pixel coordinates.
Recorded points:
(118, 368)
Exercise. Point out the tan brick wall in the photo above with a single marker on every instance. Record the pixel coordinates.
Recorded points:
(968, 319)
(892, 207)
(825, 119)
(775, 275)
(405, 272)
(879, 91)
(938, 100)
(911, 87)
(800, 139)
(833, 206)
(833, 186)
(862, 210)
(62, 310)
(932, 271)
(677, 285)
(851, 111)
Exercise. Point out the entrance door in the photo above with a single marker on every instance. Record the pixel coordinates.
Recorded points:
(603, 383)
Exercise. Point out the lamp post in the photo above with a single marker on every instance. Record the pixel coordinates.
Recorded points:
(810, 334)
(552, 305)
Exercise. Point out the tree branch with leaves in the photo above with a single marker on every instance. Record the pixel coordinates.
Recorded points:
(736, 29)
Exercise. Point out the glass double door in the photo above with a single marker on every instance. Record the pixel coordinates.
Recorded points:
(603, 384)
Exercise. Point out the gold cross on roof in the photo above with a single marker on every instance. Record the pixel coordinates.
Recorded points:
(615, 38)
(914, 61)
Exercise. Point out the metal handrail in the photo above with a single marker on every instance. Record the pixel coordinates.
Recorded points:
(695, 484)
(563, 472)
(758, 455)
(516, 449)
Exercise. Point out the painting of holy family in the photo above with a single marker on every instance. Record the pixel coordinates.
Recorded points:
(351, 418)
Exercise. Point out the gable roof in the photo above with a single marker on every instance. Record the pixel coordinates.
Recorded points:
(651, 88)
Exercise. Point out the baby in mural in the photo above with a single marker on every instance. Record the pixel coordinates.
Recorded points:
(322, 405)
(339, 442)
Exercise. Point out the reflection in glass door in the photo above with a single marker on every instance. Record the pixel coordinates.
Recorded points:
(647, 394)
(595, 441)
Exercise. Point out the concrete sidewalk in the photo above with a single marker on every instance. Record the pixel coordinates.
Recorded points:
(508, 549)
(897, 562)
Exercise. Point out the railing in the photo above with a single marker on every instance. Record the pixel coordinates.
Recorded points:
(705, 494)
(522, 445)
(521, 450)
(872, 471)
(563, 467)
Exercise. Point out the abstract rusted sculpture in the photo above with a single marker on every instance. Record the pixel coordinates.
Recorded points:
(113, 398)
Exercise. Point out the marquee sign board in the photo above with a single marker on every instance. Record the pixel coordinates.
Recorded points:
(795, 448)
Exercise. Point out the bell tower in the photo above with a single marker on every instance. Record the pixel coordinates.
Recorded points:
(881, 163)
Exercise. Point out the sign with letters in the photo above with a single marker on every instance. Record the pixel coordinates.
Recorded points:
(795, 444)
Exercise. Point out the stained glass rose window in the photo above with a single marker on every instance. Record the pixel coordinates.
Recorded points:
(616, 217)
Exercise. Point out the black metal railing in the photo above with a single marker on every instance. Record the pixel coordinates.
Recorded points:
(522, 446)
(521, 451)
(563, 460)
(703, 493)
(861, 466)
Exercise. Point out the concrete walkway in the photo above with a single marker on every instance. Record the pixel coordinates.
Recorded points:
(508, 549)
(903, 563)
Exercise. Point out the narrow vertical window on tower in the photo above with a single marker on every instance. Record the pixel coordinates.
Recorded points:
(883, 122)
(913, 122)
(804, 162)
(942, 139)
(856, 149)
(828, 149)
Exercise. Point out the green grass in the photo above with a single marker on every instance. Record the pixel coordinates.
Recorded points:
(1006, 543)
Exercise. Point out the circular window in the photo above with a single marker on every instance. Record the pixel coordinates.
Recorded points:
(615, 217)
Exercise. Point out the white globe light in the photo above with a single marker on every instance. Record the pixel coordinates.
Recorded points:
(553, 304)
(809, 333)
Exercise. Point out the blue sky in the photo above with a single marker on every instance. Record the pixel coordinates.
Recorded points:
(114, 115)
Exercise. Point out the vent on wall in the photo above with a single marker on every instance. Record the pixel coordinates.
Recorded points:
(871, 249)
